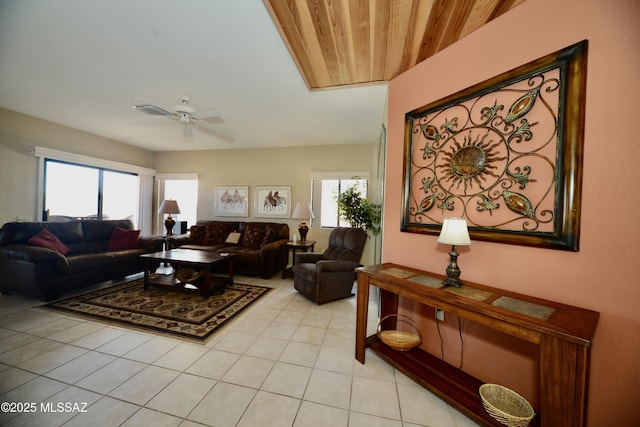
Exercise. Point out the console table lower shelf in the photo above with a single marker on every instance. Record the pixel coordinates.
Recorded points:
(452, 385)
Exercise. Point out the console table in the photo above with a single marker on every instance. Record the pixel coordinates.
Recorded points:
(563, 333)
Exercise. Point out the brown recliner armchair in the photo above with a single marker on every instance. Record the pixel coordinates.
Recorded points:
(328, 276)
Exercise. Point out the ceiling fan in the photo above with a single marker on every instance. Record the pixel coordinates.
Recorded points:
(188, 117)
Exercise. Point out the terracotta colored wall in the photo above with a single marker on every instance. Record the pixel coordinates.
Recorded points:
(605, 274)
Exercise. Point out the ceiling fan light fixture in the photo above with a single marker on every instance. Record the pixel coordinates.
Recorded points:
(188, 132)
(184, 118)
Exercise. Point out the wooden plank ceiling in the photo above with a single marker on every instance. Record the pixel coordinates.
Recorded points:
(348, 42)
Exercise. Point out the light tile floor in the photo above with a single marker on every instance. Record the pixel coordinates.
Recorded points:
(283, 362)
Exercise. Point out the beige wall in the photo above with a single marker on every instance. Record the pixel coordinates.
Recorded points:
(604, 274)
(271, 166)
(278, 166)
(19, 169)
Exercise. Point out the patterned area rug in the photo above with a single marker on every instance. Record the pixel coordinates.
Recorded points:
(178, 314)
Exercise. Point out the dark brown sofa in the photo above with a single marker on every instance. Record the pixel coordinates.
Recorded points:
(47, 274)
(259, 250)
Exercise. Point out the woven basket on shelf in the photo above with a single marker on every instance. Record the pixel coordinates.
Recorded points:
(506, 406)
(188, 274)
(399, 340)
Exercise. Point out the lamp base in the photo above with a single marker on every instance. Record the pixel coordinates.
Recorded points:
(452, 282)
(168, 224)
(303, 229)
(453, 272)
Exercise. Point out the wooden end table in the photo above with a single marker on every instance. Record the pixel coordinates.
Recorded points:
(304, 246)
(200, 262)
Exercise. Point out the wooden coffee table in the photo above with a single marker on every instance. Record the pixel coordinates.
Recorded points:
(192, 270)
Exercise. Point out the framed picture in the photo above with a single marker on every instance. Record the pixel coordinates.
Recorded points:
(505, 154)
(273, 201)
(232, 201)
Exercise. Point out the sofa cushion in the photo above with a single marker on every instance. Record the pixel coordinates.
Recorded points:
(307, 271)
(95, 229)
(269, 235)
(244, 255)
(46, 239)
(87, 262)
(122, 239)
(254, 236)
(217, 232)
(126, 256)
(68, 232)
(197, 234)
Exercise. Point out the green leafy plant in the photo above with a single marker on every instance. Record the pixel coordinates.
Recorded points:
(357, 210)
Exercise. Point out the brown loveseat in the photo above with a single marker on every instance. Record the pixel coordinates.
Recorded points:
(87, 252)
(259, 246)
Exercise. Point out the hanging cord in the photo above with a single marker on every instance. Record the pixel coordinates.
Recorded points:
(441, 342)
(461, 341)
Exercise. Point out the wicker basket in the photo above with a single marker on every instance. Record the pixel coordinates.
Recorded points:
(399, 340)
(188, 274)
(506, 406)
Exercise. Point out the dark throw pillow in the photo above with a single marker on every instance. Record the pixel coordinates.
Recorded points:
(253, 236)
(269, 236)
(46, 239)
(121, 239)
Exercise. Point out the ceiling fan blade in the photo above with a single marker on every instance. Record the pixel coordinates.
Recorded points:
(216, 130)
(152, 110)
(206, 113)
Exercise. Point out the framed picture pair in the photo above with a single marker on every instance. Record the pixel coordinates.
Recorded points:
(269, 201)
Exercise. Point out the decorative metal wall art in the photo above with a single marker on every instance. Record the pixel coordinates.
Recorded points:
(505, 154)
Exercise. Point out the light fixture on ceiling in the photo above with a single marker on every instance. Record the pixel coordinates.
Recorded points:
(185, 119)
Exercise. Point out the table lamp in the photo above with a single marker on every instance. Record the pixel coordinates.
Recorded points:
(454, 232)
(303, 211)
(169, 207)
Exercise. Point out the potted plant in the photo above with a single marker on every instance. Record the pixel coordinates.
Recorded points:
(358, 212)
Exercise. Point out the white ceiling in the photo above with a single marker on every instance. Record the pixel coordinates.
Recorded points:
(84, 63)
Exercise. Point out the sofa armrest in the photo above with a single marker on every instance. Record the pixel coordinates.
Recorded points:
(34, 255)
(308, 257)
(151, 243)
(330, 265)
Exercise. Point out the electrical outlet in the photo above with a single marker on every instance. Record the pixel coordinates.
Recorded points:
(440, 314)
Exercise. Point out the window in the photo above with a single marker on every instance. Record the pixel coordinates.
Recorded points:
(327, 187)
(183, 188)
(79, 191)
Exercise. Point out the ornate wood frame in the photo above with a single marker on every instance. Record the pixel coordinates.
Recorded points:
(505, 154)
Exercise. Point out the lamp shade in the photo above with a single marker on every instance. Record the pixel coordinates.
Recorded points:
(169, 207)
(302, 211)
(454, 232)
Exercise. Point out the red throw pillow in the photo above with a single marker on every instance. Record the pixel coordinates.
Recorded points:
(46, 239)
(121, 238)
